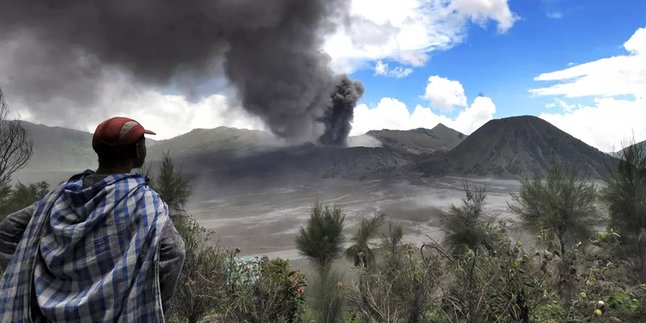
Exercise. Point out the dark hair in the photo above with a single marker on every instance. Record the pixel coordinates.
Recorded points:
(111, 156)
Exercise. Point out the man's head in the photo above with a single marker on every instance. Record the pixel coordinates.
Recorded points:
(119, 142)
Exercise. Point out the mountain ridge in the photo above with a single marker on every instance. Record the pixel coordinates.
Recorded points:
(512, 147)
(517, 146)
(419, 141)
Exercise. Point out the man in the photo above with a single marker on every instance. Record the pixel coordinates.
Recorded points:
(100, 248)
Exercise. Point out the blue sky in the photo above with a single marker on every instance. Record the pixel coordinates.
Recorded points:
(503, 65)
(546, 36)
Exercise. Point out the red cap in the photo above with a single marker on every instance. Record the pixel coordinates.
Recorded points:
(118, 132)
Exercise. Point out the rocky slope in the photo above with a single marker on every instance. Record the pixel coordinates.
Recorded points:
(517, 147)
(419, 141)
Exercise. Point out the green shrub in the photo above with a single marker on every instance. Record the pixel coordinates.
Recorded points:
(265, 290)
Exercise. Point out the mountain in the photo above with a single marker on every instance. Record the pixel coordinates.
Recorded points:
(200, 142)
(640, 145)
(510, 147)
(60, 148)
(517, 147)
(419, 141)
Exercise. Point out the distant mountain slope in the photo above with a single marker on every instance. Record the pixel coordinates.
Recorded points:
(419, 141)
(294, 165)
(59, 148)
(510, 147)
(517, 147)
(207, 141)
(641, 145)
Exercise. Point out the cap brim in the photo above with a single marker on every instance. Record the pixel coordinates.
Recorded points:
(148, 132)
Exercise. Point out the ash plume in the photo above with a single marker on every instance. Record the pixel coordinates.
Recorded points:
(340, 112)
(268, 50)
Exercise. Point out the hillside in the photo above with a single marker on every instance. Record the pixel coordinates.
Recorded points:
(517, 147)
(419, 141)
(640, 145)
(200, 142)
(510, 147)
(60, 148)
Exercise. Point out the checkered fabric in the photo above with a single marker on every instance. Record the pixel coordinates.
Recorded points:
(89, 255)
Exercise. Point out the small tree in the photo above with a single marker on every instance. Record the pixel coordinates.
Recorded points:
(560, 208)
(321, 241)
(22, 196)
(625, 193)
(173, 186)
(360, 252)
(203, 280)
(15, 145)
(465, 225)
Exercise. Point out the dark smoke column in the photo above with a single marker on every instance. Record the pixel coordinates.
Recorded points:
(283, 77)
(270, 51)
(340, 112)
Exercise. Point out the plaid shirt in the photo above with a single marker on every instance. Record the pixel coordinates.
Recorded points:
(89, 255)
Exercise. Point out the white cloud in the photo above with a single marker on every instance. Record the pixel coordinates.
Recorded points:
(171, 115)
(480, 11)
(606, 125)
(383, 69)
(445, 94)
(554, 15)
(407, 30)
(168, 115)
(391, 113)
(606, 77)
(618, 88)
(567, 107)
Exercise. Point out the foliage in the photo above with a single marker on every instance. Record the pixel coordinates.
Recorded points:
(504, 284)
(465, 225)
(322, 238)
(15, 144)
(604, 285)
(274, 293)
(173, 186)
(326, 299)
(21, 196)
(625, 194)
(560, 209)
(401, 289)
(202, 287)
(625, 191)
(360, 252)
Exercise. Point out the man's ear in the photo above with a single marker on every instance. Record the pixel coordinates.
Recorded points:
(139, 149)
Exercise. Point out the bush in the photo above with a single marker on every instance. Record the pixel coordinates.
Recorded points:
(203, 284)
(265, 290)
(21, 196)
(402, 288)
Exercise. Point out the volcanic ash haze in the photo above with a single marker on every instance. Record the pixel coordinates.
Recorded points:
(269, 50)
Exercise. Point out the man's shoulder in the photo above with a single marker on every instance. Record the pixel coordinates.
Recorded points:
(149, 193)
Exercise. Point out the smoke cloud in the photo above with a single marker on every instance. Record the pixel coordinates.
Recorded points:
(268, 50)
(340, 112)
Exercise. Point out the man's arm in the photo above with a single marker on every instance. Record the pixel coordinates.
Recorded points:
(171, 259)
(11, 230)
